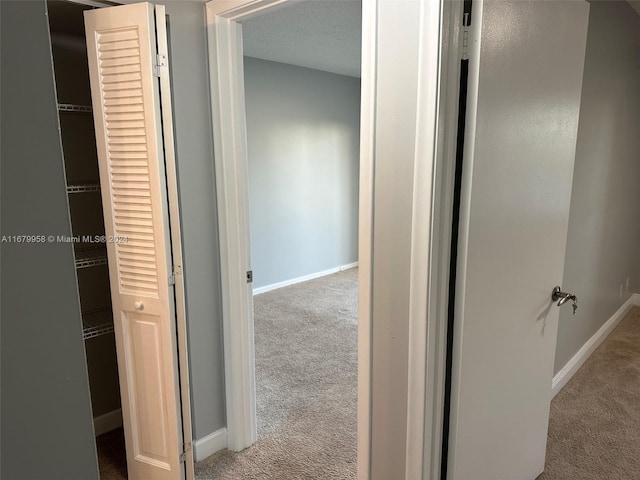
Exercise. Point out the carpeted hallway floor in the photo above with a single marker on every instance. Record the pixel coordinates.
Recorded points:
(306, 339)
(594, 429)
(306, 378)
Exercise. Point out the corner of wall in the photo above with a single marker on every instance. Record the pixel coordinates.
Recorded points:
(212, 443)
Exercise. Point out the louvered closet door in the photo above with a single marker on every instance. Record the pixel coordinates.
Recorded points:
(121, 44)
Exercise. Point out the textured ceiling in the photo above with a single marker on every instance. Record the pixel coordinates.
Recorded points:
(320, 34)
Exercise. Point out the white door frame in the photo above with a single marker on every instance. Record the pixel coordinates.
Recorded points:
(430, 225)
(182, 341)
(431, 243)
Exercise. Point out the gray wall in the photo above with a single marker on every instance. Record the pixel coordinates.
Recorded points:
(604, 226)
(194, 154)
(45, 409)
(303, 128)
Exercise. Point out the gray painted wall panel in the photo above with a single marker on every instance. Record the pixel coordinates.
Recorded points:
(303, 129)
(201, 253)
(45, 393)
(604, 227)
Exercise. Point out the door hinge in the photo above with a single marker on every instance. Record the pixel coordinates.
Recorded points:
(466, 23)
(250, 276)
(161, 61)
(465, 44)
(177, 270)
(467, 6)
(186, 448)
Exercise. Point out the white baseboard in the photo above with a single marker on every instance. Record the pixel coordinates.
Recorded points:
(210, 444)
(107, 422)
(561, 378)
(305, 278)
(348, 266)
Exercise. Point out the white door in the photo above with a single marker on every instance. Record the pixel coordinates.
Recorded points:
(121, 45)
(526, 63)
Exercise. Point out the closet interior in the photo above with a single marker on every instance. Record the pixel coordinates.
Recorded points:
(66, 23)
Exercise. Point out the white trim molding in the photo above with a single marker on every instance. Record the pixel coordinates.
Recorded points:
(428, 278)
(368, 89)
(561, 378)
(408, 245)
(231, 172)
(304, 278)
(348, 266)
(107, 422)
(212, 443)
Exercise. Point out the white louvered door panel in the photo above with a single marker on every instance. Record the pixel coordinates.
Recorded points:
(121, 45)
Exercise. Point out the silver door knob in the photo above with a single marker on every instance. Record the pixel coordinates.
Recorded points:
(139, 305)
(557, 295)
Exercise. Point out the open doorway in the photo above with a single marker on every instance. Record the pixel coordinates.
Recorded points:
(301, 72)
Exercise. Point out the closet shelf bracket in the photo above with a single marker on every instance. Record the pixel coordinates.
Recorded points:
(83, 188)
(92, 332)
(90, 262)
(73, 108)
(97, 322)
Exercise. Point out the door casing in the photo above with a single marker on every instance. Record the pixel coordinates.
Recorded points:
(434, 100)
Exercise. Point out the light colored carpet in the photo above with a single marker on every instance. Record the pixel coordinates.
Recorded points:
(594, 429)
(306, 378)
